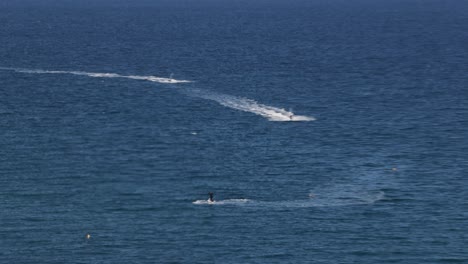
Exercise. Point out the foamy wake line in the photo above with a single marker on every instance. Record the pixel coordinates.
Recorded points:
(100, 75)
(249, 105)
(234, 102)
(223, 202)
(314, 200)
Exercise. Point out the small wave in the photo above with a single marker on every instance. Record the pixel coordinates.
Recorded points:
(6, 112)
(100, 75)
(221, 202)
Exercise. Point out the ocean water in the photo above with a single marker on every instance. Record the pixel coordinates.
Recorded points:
(330, 131)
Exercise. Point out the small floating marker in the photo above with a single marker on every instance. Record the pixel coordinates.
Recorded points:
(193, 133)
(394, 169)
(88, 236)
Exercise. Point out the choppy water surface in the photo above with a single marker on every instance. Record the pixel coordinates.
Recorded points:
(118, 117)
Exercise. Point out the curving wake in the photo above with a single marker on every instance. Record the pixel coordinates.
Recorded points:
(238, 103)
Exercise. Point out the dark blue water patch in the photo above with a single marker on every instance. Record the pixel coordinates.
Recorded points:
(378, 177)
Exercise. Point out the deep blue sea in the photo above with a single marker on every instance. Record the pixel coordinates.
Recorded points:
(329, 131)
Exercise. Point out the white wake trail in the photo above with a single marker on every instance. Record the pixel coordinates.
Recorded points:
(249, 105)
(101, 75)
(234, 102)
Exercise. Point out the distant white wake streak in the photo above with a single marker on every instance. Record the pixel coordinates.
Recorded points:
(101, 75)
(234, 102)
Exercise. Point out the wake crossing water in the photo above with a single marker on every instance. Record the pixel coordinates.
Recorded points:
(238, 103)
